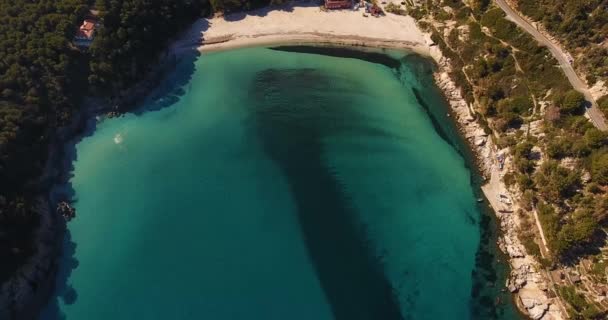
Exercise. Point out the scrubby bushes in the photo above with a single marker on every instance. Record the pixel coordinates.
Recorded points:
(599, 167)
(581, 25)
(572, 102)
(582, 309)
(395, 9)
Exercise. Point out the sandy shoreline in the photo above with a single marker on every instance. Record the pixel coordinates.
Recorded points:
(235, 42)
(304, 24)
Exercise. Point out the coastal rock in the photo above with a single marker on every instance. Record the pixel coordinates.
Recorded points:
(528, 303)
(538, 311)
(480, 132)
(524, 280)
(514, 252)
(480, 141)
(511, 244)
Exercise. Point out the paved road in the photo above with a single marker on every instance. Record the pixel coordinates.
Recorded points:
(593, 112)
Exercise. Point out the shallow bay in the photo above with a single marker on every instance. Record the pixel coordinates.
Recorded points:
(279, 185)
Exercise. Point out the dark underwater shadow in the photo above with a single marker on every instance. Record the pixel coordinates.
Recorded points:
(350, 273)
(344, 52)
(166, 83)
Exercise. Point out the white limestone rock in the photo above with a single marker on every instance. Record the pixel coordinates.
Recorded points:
(538, 311)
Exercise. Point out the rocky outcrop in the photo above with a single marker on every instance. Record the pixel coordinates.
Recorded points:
(471, 129)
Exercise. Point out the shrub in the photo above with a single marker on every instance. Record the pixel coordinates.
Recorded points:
(550, 223)
(579, 230)
(603, 104)
(555, 182)
(595, 138)
(490, 18)
(578, 303)
(395, 9)
(573, 102)
(599, 167)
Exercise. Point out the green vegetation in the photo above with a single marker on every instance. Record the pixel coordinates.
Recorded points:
(572, 102)
(598, 270)
(517, 89)
(580, 307)
(39, 89)
(550, 222)
(577, 231)
(555, 182)
(603, 104)
(581, 25)
(599, 167)
(134, 33)
(526, 236)
(395, 9)
(507, 77)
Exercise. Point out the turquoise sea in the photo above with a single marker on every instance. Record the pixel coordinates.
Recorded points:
(289, 183)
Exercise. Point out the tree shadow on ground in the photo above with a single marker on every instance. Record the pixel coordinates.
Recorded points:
(169, 85)
(265, 9)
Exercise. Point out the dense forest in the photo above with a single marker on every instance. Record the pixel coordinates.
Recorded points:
(44, 77)
(38, 90)
(583, 27)
(133, 34)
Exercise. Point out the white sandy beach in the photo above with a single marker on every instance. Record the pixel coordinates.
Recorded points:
(304, 22)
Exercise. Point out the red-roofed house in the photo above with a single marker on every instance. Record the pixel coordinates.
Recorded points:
(86, 32)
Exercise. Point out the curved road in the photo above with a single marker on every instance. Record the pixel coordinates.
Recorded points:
(595, 115)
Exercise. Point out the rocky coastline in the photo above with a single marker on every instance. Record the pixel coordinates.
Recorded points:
(527, 281)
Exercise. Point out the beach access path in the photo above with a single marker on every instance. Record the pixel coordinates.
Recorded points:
(593, 112)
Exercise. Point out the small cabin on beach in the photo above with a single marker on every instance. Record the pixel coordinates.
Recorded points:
(338, 4)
